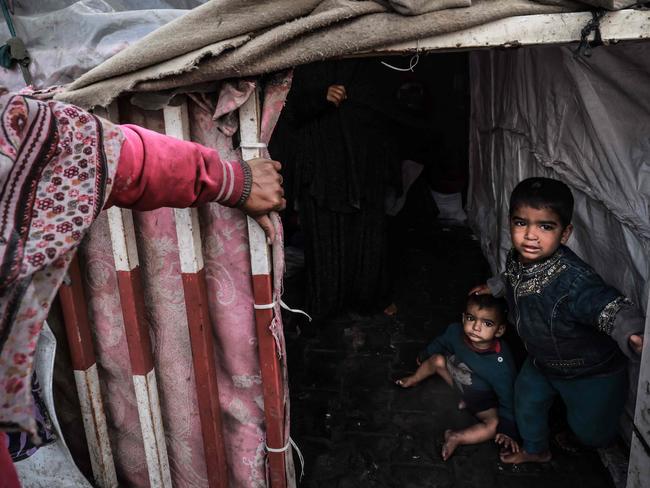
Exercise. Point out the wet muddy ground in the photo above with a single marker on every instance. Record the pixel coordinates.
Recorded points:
(357, 429)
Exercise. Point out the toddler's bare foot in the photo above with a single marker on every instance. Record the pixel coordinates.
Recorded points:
(450, 445)
(407, 382)
(525, 457)
(462, 405)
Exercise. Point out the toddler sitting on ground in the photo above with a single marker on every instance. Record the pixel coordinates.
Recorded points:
(471, 357)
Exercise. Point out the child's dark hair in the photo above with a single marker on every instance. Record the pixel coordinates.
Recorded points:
(542, 193)
(491, 302)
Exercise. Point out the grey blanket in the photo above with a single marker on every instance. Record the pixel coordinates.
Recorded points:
(234, 38)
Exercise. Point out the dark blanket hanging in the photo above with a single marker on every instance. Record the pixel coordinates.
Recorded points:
(339, 169)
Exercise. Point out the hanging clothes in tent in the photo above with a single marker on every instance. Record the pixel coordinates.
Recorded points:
(340, 169)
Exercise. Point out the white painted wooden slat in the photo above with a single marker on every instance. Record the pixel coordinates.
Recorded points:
(532, 30)
(146, 394)
(177, 123)
(250, 133)
(189, 240)
(94, 419)
(123, 241)
(125, 254)
(187, 219)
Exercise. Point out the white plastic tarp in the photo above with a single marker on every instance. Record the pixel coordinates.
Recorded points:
(67, 38)
(545, 112)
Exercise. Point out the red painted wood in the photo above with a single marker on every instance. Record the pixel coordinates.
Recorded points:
(75, 317)
(8, 475)
(271, 380)
(205, 374)
(129, 284)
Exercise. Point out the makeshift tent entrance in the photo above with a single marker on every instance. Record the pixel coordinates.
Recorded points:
(225, 235)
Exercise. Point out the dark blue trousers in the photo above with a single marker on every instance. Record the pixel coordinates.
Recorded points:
(594, 405)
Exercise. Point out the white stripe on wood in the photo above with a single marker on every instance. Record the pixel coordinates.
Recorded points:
(125, 253)
(259, 249)
(120, 221)
(249, 130)
(188, 231)
(94, 419)
(146, 394)
(122, 231)
(531, 30)
(177, 121)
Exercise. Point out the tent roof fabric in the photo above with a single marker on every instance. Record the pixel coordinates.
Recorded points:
(236, 38)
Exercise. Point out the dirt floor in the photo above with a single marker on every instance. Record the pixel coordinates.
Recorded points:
(357, 429)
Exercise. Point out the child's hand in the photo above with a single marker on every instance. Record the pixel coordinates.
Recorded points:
(480, 290)
(507, 443)
(336, 94)
(636, 343)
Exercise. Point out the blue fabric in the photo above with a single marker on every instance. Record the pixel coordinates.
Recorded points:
(20, 444)
(594, 405)
(563, 311)
(486, 379)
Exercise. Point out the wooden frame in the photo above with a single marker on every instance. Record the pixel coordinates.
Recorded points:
(272, 380)
(198, 319)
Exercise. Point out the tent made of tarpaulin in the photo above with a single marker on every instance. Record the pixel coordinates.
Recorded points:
(538, 126)
(66, 38)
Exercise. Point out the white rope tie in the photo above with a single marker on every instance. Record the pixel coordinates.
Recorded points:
(268, 306)
(413, 62)
(285, 448)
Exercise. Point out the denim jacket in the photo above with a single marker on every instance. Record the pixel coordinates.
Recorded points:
(571, 322)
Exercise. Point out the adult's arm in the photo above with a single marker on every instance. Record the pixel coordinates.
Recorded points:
(157, 171)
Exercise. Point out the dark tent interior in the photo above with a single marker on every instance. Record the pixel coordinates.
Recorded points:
(379, 253)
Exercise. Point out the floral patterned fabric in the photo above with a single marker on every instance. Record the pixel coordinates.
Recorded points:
(56, 168)
(227, 270)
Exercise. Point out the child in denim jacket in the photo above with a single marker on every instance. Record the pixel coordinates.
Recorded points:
(574, 326)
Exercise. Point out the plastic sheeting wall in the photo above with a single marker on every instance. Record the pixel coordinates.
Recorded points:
(544, 112)
(67, 38)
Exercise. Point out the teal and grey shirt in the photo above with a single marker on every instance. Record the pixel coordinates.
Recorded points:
(485, 379)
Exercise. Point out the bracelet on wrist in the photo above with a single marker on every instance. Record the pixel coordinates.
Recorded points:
(248, 183)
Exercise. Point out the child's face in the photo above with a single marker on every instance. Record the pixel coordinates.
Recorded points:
(537, 233)
(482, 326)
